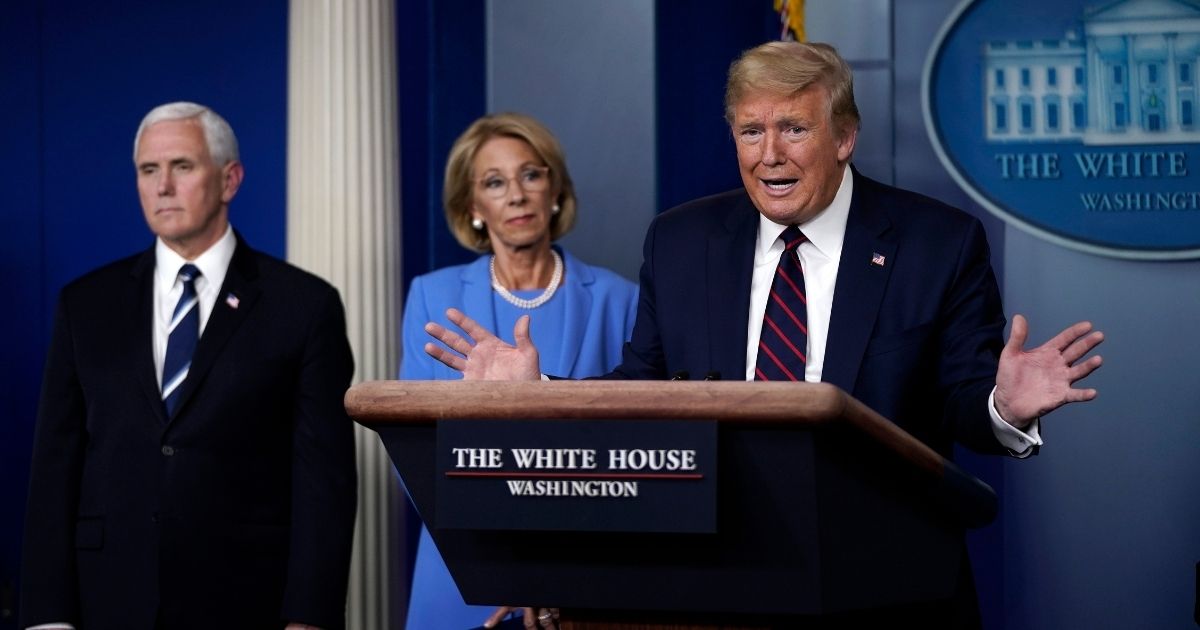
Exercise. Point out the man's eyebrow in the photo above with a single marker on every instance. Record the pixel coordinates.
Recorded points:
(172, 162)
(793, 121)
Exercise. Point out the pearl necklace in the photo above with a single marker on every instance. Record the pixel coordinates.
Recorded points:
(537, 301)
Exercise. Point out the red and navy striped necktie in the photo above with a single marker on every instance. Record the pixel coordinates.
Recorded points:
(783, 342)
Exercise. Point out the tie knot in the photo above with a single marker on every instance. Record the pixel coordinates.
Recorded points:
(792, 237)
(189, 272)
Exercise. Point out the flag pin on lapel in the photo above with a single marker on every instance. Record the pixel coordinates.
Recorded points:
(232, 300)
(878, 259)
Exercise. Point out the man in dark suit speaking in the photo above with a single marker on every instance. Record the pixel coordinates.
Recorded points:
(814, 272)
(193, 463)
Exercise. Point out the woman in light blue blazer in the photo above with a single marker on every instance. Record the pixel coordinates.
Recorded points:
(508, 195)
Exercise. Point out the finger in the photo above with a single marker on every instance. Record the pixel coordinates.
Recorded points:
(1082, 370)
(521, 332)
(469, 326)
(497, 616)
(531, 621)
(546, 618)
(1080, 395)
(452, 339)
(1069, 335)
(449, 359)
(1082, 346)
(1017, 336)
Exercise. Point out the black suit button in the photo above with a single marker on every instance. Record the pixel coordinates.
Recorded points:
(168, 451)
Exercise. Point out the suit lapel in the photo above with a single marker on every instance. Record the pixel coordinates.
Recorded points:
(860, 284)
(576, 288)
(477, 295)
(139, 317)
(730, 260)
(241, 284)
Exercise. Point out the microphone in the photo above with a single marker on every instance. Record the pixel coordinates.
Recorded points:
(681, 375)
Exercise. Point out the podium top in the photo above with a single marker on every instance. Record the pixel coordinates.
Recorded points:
(390, 405)
(380, 404)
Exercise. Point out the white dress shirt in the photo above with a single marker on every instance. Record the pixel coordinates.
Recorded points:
(213, 264)
(819, 257)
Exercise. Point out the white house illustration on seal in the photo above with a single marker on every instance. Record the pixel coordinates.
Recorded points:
(1131, 79)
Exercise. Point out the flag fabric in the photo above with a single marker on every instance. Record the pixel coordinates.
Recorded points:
(791, 20)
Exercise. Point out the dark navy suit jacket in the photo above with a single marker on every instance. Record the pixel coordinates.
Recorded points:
(236, 512)
(917, 338)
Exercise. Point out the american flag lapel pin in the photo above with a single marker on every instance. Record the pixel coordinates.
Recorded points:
(232, 300)
(878, 259)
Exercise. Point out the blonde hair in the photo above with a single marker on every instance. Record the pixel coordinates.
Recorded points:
(787, 68)
(459, 182)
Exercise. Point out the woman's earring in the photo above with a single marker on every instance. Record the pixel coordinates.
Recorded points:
(477, 223)
(554, 209)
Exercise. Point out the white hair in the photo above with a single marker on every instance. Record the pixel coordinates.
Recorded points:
(222, 144)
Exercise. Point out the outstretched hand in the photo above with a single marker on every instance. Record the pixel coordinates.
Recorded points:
(1032, 383)
(482, 356)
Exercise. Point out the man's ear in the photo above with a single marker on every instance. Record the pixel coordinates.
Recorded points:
(231, 180)
(846, 141)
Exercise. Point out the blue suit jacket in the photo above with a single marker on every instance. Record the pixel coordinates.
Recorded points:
(916, 339)
(600, 309)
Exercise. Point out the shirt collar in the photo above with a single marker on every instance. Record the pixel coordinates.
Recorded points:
(213, 263)
(825, 231)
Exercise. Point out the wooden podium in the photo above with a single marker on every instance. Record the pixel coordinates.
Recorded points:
(823, 506)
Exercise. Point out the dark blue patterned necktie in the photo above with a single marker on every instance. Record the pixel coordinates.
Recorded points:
(182, 335)
(783, 342)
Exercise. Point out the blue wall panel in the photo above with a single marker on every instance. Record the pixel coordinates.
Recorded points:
(1103, 528)
(441, 48)
(694, 45)
(21, 271)
(154, 53)
(594, 88)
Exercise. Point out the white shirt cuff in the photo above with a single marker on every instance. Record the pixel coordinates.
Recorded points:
(1020, 444)
(52, 626)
